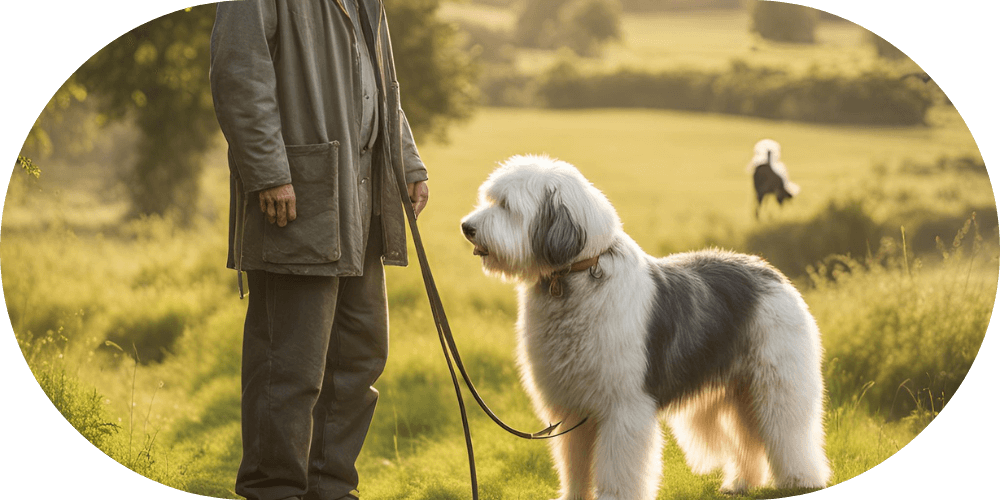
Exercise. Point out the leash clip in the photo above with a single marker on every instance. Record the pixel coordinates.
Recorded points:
(555, 286)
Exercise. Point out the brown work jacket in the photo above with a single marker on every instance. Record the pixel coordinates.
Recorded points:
(288, 96)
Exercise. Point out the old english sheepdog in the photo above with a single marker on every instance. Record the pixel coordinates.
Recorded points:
(720, 344)
(769, 174)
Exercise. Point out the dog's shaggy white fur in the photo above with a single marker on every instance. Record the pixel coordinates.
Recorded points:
(720, 344)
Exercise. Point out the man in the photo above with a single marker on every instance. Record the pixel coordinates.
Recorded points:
(305, 92)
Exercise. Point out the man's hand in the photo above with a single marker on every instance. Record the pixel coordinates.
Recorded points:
(419, 193)
(278, 203)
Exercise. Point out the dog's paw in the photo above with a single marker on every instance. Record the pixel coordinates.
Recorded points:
(736, 487)
(609, 496)
(575, 497)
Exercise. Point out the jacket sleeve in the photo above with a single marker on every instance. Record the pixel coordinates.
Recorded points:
(412, 164)
(243, 87)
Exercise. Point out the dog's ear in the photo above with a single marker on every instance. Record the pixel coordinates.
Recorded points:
(556, 239)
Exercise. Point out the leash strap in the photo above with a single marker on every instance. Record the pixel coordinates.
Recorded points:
(450, 348)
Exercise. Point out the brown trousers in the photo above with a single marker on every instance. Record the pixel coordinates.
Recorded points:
(312, 348)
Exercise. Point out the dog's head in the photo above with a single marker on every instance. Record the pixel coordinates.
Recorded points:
(537, 215)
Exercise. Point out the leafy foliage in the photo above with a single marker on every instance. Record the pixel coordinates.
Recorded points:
(783, 22)
(885, 49)
(581, 25)
(589, 24)
(156, 76)
(672, 5)
(28, 166)
(60, 115)
(436, 78)
(913, 331)
(873, 97)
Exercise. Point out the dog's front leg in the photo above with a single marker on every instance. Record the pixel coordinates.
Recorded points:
(574, 459)
(627, 461)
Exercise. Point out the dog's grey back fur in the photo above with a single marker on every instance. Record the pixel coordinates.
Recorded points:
(698, 326)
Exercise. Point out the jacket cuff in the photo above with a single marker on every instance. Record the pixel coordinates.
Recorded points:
(416, 176)
(262, 184)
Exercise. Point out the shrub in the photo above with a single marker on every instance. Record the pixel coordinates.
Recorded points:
(581, 25)
(677, 5)
(84, 408)
(588, 24)
(873, 98)
(842, 228)
(783, 22)
(502, 86)
(536, 23)
(497, 3)
(884, 49)
(913, 331)
(489, 44)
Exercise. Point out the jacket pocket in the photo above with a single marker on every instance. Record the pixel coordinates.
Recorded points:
(314, 236)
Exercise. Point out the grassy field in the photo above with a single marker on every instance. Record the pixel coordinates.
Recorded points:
(88, 294)
(706, 40)
(677, 180)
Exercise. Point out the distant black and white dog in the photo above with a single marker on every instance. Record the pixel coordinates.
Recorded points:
(720, 344)
(769, 174)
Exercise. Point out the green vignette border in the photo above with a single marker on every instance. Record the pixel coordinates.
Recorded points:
(49, 459)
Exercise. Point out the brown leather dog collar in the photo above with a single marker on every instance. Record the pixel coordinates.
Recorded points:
(555, 285)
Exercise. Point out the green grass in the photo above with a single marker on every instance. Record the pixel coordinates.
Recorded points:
(76, 277)
(898, 337)
(676, 177)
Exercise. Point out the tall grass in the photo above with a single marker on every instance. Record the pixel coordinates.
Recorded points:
(130, 441)
(161, 293)
(914, 327)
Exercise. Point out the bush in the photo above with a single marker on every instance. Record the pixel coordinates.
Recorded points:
(536, 23)
(913, 331)
(874, 98)
(487, 43)
(884, 49)
(783, 22)
(497, 3)
(677, 5)
(84, 408)
(842, 228)
(502, 86)
(588, 24)
(581, 25)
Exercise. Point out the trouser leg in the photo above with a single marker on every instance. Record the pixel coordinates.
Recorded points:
(286, 338)
(356, 357)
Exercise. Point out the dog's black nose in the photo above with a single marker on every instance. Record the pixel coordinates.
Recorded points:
(468, 230)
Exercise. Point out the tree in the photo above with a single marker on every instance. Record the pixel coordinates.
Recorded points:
(157, 77)
(783, 22)
(884, 49)
(588, 24)
(537, 23)
(28, 166)
(436, 78)
(581, 25)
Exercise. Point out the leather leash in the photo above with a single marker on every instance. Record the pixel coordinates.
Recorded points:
(450, 349)
(437, 309)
